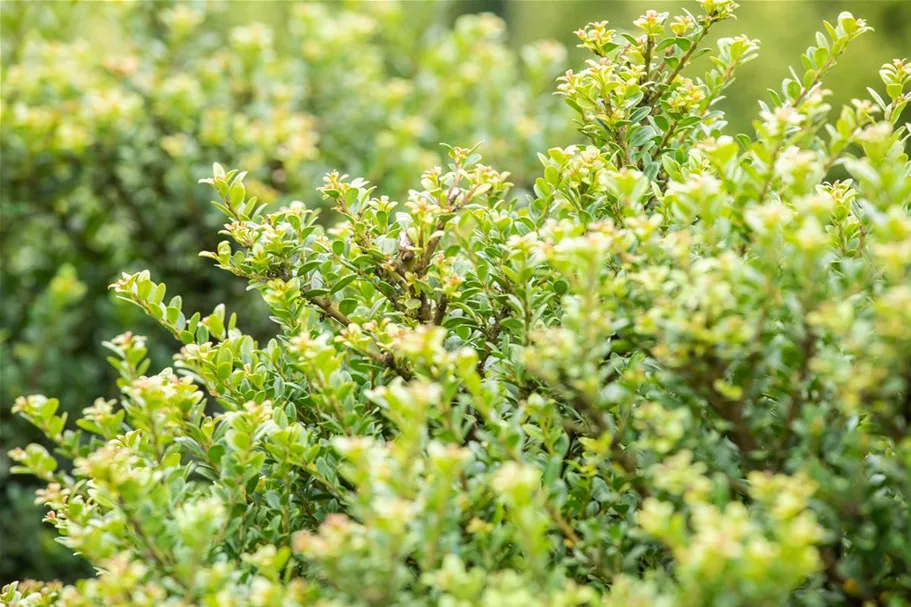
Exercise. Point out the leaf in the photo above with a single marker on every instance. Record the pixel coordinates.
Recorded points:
(639, 114)
(641, 136)
(238, 192)
(342, 283)
(348, 306)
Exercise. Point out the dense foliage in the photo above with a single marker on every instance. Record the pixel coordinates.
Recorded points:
(101, 153)
(677, 374)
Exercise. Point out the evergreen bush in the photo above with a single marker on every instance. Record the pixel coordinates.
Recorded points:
(677, 374)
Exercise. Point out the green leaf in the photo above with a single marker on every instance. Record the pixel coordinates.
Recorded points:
(342, 283)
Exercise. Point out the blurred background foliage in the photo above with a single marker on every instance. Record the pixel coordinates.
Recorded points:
(111, 112)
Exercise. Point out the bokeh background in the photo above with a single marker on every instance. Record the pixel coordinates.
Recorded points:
(111, 112)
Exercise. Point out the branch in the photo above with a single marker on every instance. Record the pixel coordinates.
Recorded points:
(330, 309)
(453, 208)
(797, 399)
(150, 548)
(388, 361)
(441, 310)
(653, 94)
(624, 459)
(490, 334)
(732, 412)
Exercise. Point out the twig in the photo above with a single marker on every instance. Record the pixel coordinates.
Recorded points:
(440, 313)
(653, 94)
(797, 399)
(330, 309)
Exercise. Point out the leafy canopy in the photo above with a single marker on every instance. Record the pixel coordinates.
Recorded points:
(676, 375)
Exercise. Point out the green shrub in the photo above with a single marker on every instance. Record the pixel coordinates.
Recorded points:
(676, 375)
(101, 153)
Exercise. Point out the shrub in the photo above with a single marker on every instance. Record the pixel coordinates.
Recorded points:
(101, 152)
(676, 375)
